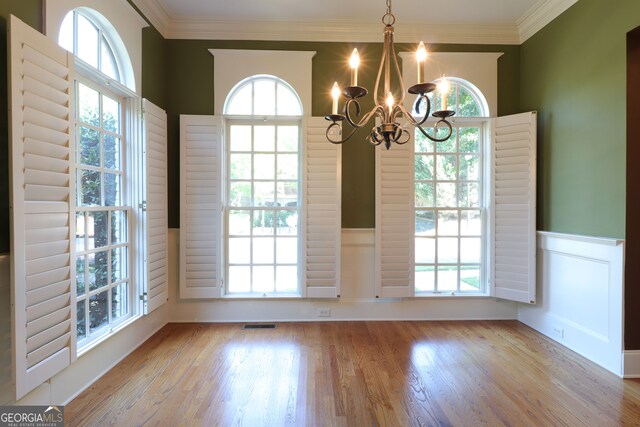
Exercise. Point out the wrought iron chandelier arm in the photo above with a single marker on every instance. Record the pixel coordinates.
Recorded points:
(331, 127)
(419, 123)
(364, 119)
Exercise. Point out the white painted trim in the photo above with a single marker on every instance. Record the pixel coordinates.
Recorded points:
(156, 14)
(541, 14)
(358, 237)
(631, 363)
(585, 239)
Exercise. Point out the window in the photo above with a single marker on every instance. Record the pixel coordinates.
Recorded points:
(262, 188)
(449, 189)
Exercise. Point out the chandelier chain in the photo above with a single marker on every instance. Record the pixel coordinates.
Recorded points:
(389, 18)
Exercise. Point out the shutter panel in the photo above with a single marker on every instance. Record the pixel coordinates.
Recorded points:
(395, 221)
(322, 207)
(42, 260)
(200, 207)
(513, 269)
(156, 216)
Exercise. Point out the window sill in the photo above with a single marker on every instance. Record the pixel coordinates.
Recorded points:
(93, 344)
(255, 297)
(452, 295)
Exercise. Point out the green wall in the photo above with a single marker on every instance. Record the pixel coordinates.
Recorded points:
(574, 73)
(191, 91)
(29, 11)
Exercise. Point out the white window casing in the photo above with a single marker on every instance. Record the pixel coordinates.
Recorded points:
(513, 220)
(394, 249)
(155, 200)
(321, 212)
(200, 207)
(42, 228)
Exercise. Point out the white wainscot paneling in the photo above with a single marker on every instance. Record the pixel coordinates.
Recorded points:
(357, 300)
(580, 289)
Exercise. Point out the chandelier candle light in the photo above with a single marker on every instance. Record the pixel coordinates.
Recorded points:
(386, 108)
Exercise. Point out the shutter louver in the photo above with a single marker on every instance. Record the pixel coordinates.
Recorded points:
(395, 221)
(322, 203)
(42, 263)
(155, 130)
(513, 269)
(200, 207)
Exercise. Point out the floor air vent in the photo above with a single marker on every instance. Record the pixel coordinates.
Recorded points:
(260, 326)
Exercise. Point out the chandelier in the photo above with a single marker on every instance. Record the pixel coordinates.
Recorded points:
(388, 110)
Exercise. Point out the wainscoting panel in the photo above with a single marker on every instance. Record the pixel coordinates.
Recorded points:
(580, 289)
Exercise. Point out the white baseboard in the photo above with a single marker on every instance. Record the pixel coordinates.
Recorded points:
(632, 364)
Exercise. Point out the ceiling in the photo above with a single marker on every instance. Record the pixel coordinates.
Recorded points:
(453, 21)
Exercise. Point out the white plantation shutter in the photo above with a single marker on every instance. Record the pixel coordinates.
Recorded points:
(42, 262)
(156, 221)
(513, 270)
(322, 207)
(395, 221)
(200, 207)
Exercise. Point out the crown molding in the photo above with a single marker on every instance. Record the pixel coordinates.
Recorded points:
(541, 14)
(156, 14)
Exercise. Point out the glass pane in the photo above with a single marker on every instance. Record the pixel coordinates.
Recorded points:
(447, 250)
(240, 166)
(263, 222)
(425, 278)
(446, 195)
(423, 144)
(89, 147)
(469, 140)
(240, 138)
(288, 103)
(425, 223)
(109, 64)
(98, 270)
(112, 150)
(423, 167)
(119, 301)
(98, 310)
(65, 38)
(81, 319)
(447, 223)
(287, 194)
(287, 166)
(470, 224)
(240, 194)
(110, 114)
(287, 224)
(88, 105)
(424, 195)
(80, 232)
(263, 280)
(286, 250)
(470, 278)
(263, 250)
(447, 278)
(241, 102)
(91, 188)
(287, 279)
(467, 105)
(239, 223)
(264, 100)
(119, 264)
(469, 169)
(97, 229)
(239, 279)
(87, 41)
(264, 138)
(446, 167)
(118, 227)
(288, 138)
(470, 250)
(425, 250)
(449, 145)
(468, 194)
(264, 166)
(239, 250)
(264, 193)
(112, 189)
(81, 280)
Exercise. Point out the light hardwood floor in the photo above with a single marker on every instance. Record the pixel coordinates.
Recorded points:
(356, 374)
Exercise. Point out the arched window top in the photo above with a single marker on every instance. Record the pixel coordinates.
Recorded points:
(263, 95)
(464, 98)
(92, 38)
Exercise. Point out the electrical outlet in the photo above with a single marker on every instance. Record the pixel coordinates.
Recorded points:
(559, 331)
(324, 312)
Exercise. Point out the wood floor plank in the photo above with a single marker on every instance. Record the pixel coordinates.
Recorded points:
(472, 373)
